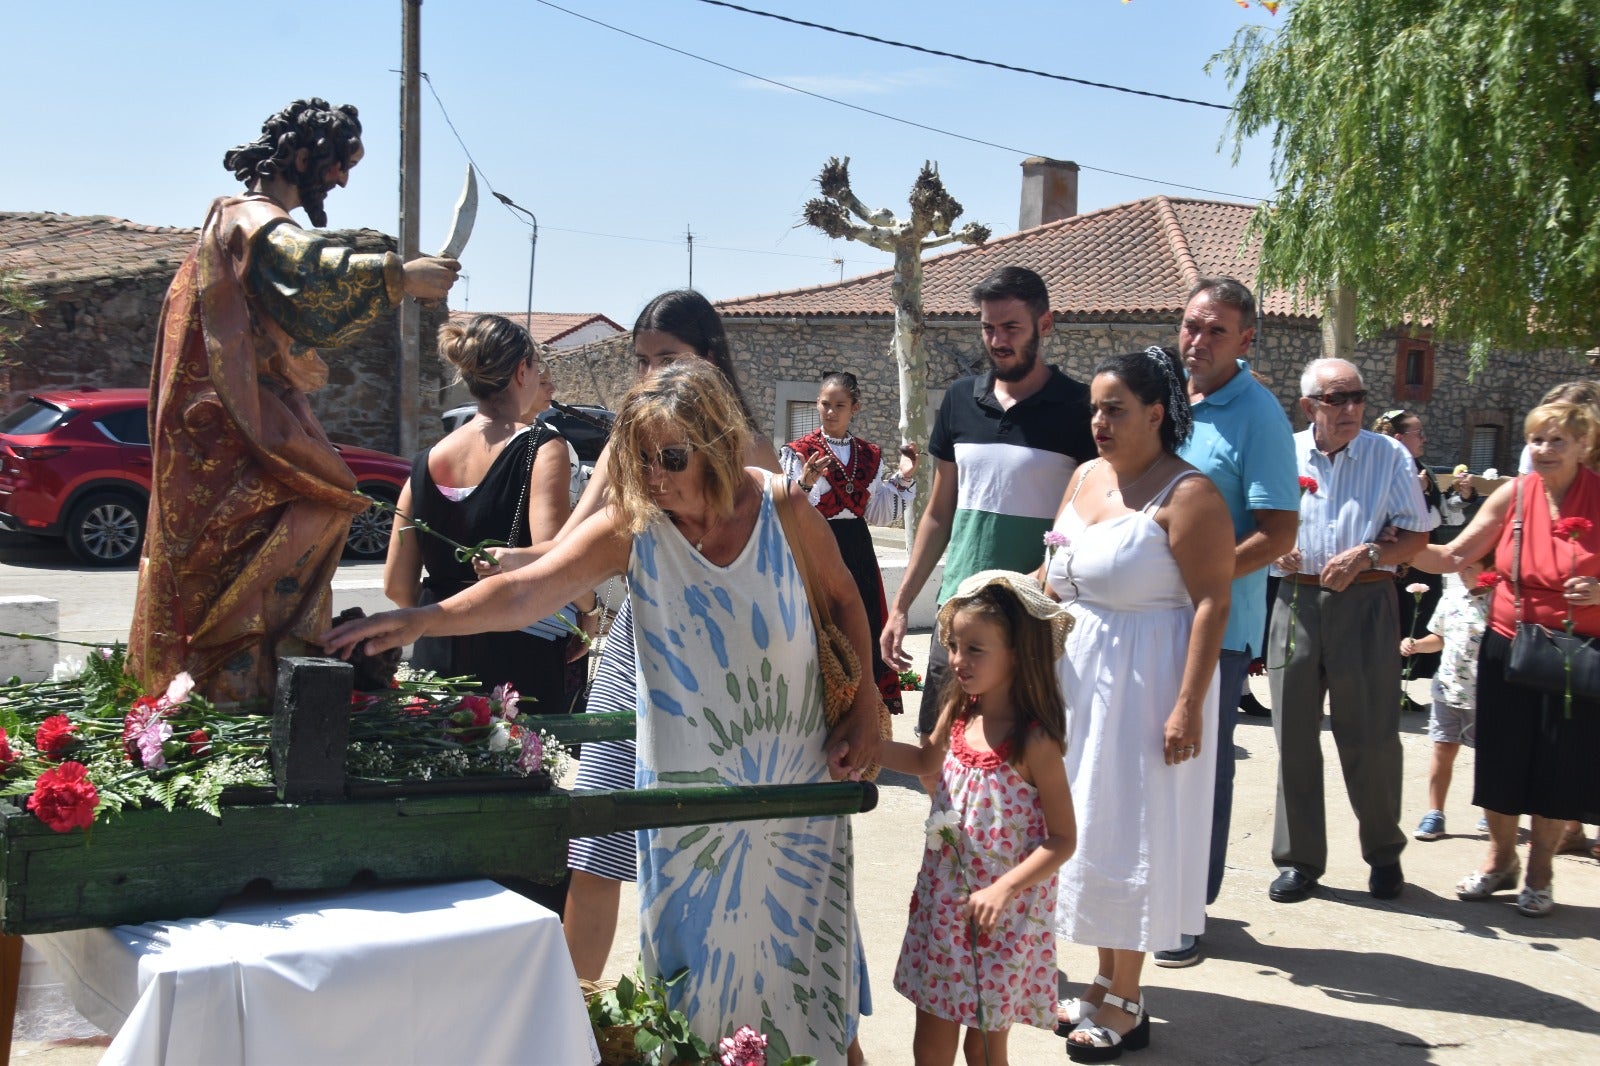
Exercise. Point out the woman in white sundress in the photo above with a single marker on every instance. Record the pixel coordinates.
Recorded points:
(760, 912)
(1146, 575)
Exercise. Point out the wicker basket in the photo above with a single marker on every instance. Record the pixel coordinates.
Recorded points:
(615, 1041)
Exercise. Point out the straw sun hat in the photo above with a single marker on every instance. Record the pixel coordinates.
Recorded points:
(1027, 592)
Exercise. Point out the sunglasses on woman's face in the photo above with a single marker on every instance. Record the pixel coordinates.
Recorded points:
(673, 459)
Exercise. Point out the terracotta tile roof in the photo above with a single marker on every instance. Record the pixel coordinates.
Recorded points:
(548, 326)
(47, 249)
(1133, 259)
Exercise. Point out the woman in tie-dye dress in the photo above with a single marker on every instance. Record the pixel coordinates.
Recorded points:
(760, 912)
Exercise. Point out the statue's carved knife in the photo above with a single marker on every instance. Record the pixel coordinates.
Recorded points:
(466, 214)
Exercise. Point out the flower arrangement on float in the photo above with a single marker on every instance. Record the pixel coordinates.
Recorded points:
(89, 741)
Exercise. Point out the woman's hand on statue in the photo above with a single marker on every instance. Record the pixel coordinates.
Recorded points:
(430, 278)
(908, 461)
(986, 906)
(391, 629)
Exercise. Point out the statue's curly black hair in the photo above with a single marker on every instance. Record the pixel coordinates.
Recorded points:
(330, 134)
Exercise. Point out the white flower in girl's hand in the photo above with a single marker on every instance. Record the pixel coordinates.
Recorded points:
(942, 827)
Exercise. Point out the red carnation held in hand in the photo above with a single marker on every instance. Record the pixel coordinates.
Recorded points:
(1572, 528)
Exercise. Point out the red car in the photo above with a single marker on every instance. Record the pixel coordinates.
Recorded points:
(76, 464)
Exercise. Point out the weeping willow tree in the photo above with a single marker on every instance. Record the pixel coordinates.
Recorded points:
(1441, 158)
(933, 212)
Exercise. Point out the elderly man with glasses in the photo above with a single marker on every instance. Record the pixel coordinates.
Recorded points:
(1335, 629)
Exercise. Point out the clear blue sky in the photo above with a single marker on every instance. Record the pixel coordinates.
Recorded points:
(618, 145)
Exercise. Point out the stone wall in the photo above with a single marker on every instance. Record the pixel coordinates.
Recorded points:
(771, 353)
(102, 332)
(780, 361)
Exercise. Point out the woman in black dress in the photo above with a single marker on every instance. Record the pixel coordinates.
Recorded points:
(500, 476)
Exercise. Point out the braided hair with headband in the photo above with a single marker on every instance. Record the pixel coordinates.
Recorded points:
(1154, 377)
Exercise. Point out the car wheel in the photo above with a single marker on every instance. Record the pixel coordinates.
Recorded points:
(369, 533)
(106, 529)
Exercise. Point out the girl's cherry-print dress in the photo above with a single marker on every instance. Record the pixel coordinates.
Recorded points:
(1001, 823)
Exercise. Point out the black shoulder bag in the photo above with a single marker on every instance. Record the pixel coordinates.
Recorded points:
(1542, 658)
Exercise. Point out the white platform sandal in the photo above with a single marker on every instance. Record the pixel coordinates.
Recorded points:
(1071, 1012)
(1106, 1044)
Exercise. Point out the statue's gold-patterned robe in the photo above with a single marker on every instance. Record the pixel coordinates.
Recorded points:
(250, 504)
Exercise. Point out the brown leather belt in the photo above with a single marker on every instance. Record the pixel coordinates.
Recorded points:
(1363, 578)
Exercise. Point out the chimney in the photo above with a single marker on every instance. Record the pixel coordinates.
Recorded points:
(1049, 191)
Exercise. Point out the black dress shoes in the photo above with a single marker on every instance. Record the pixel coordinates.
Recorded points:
(1386, 881)
(1291, 886)
(1253, 707)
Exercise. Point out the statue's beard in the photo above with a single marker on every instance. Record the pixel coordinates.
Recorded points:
(312, 194)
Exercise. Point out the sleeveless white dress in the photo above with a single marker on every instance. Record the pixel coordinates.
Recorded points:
(760, 912)
(1138, 878)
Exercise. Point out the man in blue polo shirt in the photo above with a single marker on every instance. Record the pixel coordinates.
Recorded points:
(1243, 443)
(1006, 444)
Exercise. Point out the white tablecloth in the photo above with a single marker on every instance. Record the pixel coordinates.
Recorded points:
(467, 972)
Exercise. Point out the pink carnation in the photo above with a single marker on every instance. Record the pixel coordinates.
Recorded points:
(1054, 539)
(532, 756)
(745, 1047)
(1417, 588)
(506, 698)
(178, 691)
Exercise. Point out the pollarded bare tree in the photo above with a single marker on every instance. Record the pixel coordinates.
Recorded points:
(933, 212)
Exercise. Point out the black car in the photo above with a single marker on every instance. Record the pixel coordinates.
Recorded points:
(586, 428)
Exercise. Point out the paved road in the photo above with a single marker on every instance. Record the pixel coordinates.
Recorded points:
(1338, 978)
(96, 604)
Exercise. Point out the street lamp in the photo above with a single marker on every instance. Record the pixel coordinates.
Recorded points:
(533, 248)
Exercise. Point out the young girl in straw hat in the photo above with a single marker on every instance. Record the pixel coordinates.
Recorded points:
(979, 949)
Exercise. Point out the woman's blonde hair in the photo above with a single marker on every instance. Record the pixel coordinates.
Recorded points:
(690, 401)
(1577, 420)
(1585, 392)
(486, 352)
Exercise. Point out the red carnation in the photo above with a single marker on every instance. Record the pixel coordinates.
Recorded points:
(1257, 667)
(54, 738)
(478, 707)
(1308, 484)
(199, 743)
(64, 798)
(7, 756)
(1573, 528)
(1488, 579)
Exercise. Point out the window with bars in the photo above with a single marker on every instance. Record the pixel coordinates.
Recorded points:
(801, 418)
(1483, 447)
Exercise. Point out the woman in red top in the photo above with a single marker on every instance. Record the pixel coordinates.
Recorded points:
(848, 480)
(1534, 757)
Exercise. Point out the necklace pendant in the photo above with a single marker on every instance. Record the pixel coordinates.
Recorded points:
(849, 486)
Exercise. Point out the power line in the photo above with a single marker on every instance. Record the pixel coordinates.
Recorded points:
(965, 59)
(443, 111)
(882, 114)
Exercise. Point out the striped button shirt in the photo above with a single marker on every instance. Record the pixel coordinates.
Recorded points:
(1370, 484)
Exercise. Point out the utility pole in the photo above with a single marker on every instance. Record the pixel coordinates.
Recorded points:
(688, 236)
(407, 407)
